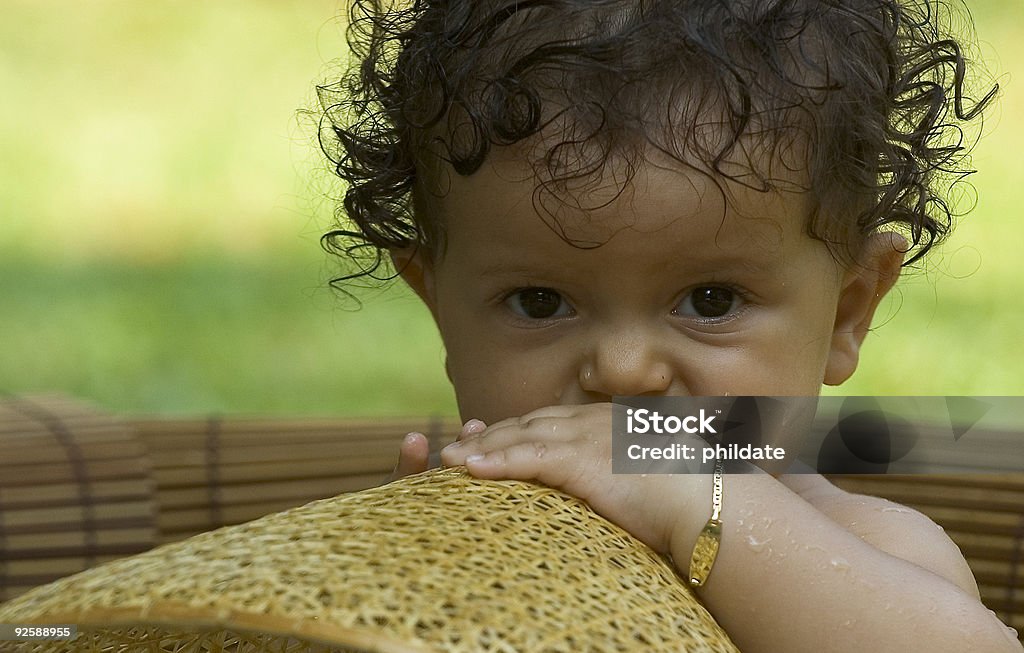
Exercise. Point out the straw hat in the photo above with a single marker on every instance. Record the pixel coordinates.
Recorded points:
(434, 562)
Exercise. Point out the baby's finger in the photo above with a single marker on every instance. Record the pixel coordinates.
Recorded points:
(543, 427)
(472, 427)
(496, 438)
(555, 464)
(412, 456)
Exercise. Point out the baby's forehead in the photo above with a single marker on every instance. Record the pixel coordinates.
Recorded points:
(649, 205)
(643, 189)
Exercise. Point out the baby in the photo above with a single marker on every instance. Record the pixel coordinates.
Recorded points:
(601, 198)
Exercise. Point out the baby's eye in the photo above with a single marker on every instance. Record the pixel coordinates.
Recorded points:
(538, 303)
(709, 302)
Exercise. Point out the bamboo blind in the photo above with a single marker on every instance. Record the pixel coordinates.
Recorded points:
(216, 472)
(76, 490)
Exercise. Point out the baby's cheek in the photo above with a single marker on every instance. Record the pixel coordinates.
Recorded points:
(482, 393)
(499, 390)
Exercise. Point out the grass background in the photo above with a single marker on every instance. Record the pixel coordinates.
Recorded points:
(161, 201)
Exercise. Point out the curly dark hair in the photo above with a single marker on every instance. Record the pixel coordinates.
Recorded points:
(867, 97)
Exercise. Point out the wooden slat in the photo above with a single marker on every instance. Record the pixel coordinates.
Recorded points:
(242, 432)
(20, 456)
(19, 545)
(300, 490)
(73, 517)
(281, 455)
(173, 522)
(70, 494)
(273, 471)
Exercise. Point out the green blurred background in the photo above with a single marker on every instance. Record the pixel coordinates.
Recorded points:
(162, 200)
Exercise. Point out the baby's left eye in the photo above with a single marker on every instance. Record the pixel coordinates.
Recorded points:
(709, 302)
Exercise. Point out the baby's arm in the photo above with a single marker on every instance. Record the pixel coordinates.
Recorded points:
(789, 577)
(891, 527)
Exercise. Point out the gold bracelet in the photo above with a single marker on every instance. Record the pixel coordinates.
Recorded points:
(705, 550)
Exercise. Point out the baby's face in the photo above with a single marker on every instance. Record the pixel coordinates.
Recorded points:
(690, 295)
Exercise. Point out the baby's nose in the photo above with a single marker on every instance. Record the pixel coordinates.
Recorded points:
(625, 365)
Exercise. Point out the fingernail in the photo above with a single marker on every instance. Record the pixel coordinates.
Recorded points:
(453, 445)
(411, 437)
(473, 426)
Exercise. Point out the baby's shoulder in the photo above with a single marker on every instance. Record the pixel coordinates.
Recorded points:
(891, 527)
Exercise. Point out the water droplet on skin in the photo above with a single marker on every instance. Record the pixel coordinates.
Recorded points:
(755, 544)
(847, 623)
(840, 563)
(896, 509)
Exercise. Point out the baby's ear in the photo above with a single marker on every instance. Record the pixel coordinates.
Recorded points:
(416, 269)
(863, 286)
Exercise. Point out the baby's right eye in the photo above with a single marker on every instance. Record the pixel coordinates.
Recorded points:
(538, 304)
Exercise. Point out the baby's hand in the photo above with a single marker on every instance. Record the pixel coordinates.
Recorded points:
(570, 448)
(414, 452)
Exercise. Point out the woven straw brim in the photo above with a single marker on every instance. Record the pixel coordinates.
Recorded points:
(435, 562)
